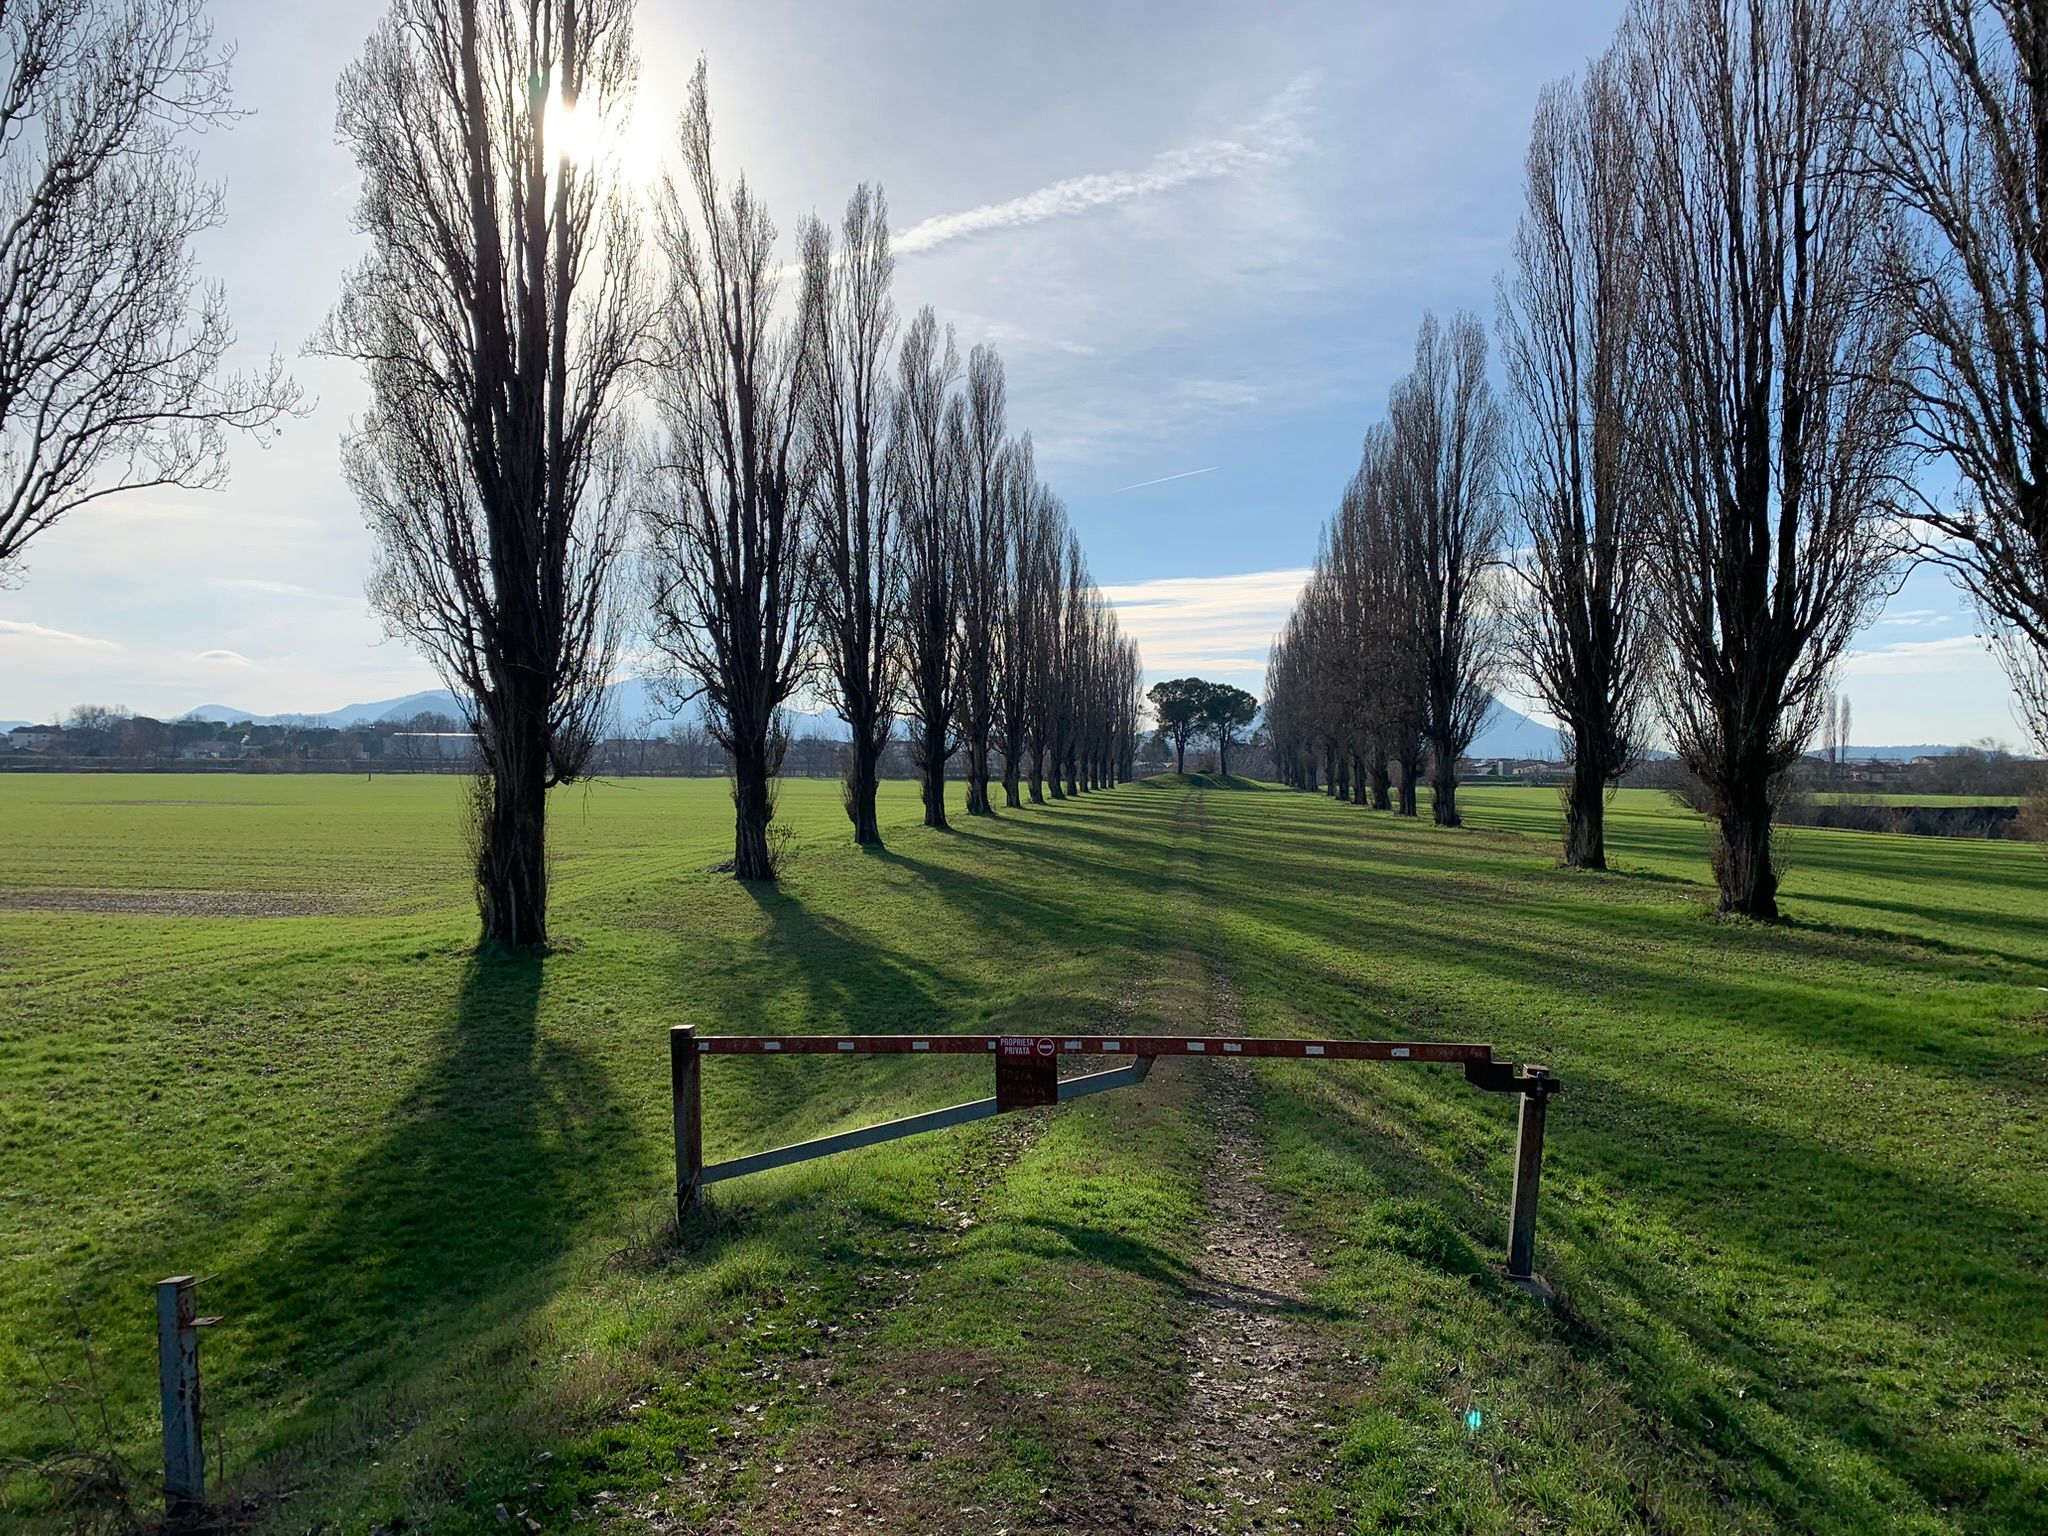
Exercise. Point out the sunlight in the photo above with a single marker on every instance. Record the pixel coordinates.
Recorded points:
(585, 135)
(573, 132)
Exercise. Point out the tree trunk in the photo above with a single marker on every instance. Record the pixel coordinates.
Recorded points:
(1443, 787)
(977, 781)
(861, 789)
(1742, 860)
(753, 808)
(1180, 754)
(1585, 818)
(1011, 798)
(512, 842)
(1411, 770)
(1038, 775)
(1382, 783)
(932, 783)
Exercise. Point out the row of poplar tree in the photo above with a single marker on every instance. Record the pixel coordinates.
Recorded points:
(574, 382)
(1774, 329)
(573, 385)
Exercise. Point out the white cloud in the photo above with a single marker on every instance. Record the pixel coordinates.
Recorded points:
(278, 588)
(1276, 135)
(27, 631)
(1947, 656)
(1214, 625)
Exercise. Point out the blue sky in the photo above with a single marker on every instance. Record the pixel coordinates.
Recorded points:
(1202, 236)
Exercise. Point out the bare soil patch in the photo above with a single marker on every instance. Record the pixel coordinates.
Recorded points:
(175, 903)
(1256, 1373)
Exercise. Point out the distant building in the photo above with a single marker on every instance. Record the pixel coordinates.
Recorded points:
(439, 746)
(27, 738)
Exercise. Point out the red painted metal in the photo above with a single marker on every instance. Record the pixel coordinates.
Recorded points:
(1456, 1051)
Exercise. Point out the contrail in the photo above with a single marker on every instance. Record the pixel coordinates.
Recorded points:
(1183, 475)
(1277, 135)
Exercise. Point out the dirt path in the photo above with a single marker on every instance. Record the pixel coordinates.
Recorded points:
(1255, 1371)
(901, 1452)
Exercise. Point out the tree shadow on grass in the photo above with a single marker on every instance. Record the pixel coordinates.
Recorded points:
(1899, 1244)
(1652, 1335)
(1055, 1240)
(445, 1225)
(850, 982)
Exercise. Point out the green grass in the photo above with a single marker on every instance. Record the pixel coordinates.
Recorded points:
(1796, 1204)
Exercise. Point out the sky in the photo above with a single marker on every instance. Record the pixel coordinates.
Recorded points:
(1201, 235)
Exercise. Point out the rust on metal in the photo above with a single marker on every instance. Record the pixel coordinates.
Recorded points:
(1455, 1051)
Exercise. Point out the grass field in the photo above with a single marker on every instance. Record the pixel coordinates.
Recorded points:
(1796, 1204)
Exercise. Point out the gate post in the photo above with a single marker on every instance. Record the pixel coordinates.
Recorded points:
(177, 1364)
(686, 1085)
(1528, 1175)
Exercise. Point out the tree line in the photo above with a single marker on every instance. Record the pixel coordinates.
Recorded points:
(806, 495)
(1776, 288)
(591, 421)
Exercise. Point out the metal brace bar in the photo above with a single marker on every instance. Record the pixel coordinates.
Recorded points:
(911, 1125)
(1102, 1082)
(847, 1141)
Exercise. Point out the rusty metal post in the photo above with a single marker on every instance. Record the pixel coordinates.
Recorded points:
(177, 1358)
(686, 1084)
(1528, 1175)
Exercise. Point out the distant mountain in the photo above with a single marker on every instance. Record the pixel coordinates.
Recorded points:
(1510, 733)
(634, 707)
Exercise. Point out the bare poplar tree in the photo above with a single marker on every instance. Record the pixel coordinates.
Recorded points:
(1040, 603)
(1050, 580)
(1383, 619)
(723, 493)
(1030, 514)
(850, 327)
(1961, 145)
(1067, 670)
(110, 350)
(495, 315)
(1779, 348)
(927, 447)
(1572, 339)
(1445, 478)
(984, 547)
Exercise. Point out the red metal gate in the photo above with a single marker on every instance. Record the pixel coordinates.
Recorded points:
(1027, 1076)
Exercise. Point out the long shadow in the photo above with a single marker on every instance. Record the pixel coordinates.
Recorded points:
(849, 981)
(1149, 1261)
(1662, 1342)
(444, 1225)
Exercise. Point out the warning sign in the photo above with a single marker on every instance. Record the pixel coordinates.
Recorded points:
(1027, 1072)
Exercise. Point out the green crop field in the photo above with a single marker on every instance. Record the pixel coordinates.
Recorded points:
(1795, 1207)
